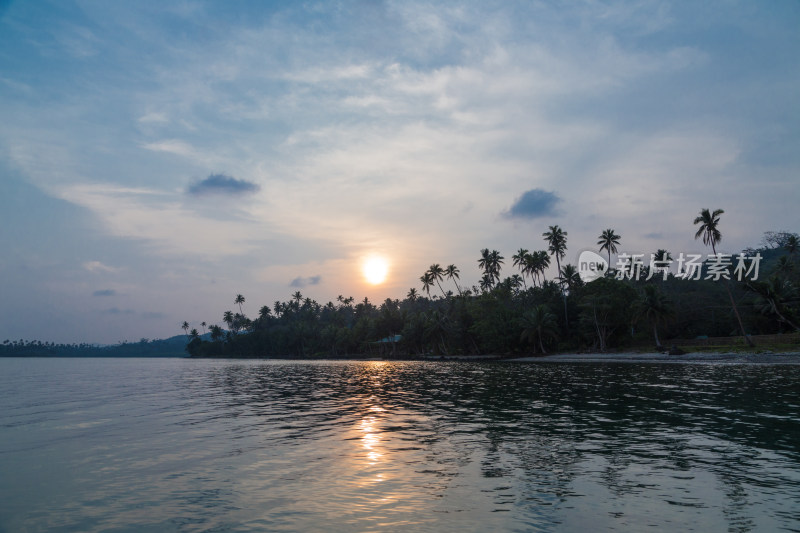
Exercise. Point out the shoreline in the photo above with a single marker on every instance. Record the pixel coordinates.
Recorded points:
(782, 357)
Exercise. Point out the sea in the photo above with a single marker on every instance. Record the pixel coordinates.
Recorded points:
(136, 444)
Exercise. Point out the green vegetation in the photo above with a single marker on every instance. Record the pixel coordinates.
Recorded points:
(508, 316)
(172, 347)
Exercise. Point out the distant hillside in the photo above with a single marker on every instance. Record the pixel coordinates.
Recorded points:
(171, 347)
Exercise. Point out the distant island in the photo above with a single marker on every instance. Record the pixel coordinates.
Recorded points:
(171, 347)
(637, 304)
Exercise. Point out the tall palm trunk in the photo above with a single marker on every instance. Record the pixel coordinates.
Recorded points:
(735, 308)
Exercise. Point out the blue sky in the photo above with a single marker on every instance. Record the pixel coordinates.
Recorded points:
(158, 158)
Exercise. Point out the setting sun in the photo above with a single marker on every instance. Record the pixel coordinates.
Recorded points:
(375, 269)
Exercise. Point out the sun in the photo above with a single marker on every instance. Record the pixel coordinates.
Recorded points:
(375, 269)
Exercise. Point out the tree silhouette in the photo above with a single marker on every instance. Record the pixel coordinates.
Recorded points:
(539, 325)
(452, 274)
(437, 274)
(654, 307)
(239, 300)
(711, 235)
(609, 241)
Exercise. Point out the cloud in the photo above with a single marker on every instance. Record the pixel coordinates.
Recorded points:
(534, 203)
(104, 292)
(222, 184)
(299, 282)
(97, 266)
(118, 311)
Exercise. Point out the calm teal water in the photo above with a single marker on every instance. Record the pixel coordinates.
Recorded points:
(183, 445)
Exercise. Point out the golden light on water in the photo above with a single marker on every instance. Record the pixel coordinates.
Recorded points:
(375, 269)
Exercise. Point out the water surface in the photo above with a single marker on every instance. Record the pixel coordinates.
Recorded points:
(188, 445)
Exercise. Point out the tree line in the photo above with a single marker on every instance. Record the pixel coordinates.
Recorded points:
(525, 312)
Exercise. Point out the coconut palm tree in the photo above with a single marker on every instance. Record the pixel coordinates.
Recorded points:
(773, 294)
(485, 264)
(496, 262)
(452, 274)
(557, 243)
(437, 274)
(228, 318)
(609, 241)
(216, 332)
(538, 263)
(412, 294)
(427, 282)
(654, 307)
(570, 277)
(520, 261)
(185, 327)
(486, 283)
(708, 229)
(516, 282)
(539, 325)
(239, 300)
(204, 327)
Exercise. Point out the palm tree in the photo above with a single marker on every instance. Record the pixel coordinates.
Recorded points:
(427, 282)
(537, 263)
(264, 312)
(437, 274)
(773, 294)
(609, 241)
(654, 307)
(539, 325)
(496, 261)
(711, 235)
(452, 274)
(520, 261)
(486, 283)
(570, 277)
(239, 300)
(185, 327)
(485, 262)
(228, 318)
(216, 332)
(204, 327)
(194, 334)
(412, 294)
(557, 243)
(708, 227)
(516, 282)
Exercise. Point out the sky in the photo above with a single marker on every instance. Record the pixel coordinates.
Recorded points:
(159, 158)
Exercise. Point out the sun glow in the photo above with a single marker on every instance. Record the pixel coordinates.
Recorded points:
(375, 269)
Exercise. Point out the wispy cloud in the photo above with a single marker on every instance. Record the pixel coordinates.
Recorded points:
(118, 311)
(104, 292)
(535, 203)
(222, 184)
(97, 266)
(300, 282)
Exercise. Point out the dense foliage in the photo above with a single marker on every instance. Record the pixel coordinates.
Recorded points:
(525, 313)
